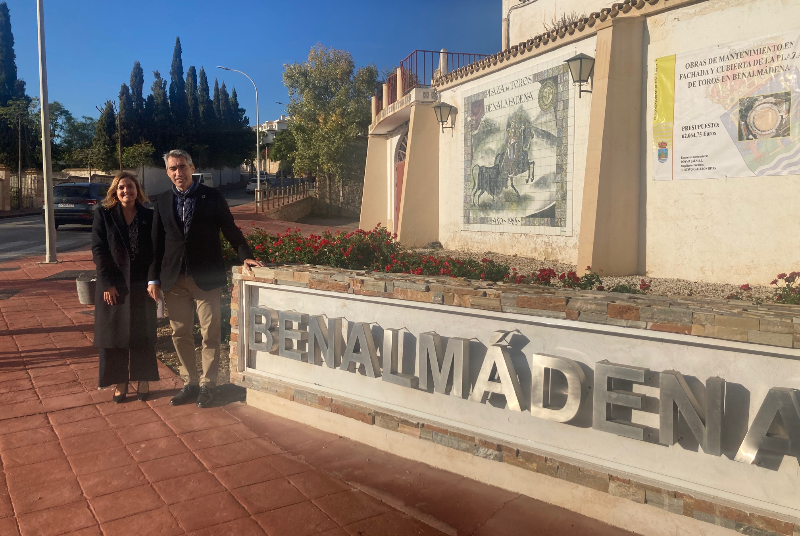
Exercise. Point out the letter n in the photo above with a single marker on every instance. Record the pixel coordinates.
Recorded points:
(705, 423)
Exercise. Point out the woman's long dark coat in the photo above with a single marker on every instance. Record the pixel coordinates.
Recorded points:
(112, 257)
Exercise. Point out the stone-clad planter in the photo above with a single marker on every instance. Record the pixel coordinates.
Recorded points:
(648, 336)
(732, 320)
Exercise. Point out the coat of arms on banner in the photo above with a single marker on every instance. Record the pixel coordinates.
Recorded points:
(663, 152)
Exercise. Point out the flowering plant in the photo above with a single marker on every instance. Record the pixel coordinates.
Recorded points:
(550, 278)
(785, 290)
(376, 250)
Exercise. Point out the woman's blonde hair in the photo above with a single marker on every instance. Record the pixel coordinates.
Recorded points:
(111, 199)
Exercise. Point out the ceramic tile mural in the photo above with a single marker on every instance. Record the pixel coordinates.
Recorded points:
(518, 153)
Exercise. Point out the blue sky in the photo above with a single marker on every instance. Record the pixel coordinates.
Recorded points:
(92, 44)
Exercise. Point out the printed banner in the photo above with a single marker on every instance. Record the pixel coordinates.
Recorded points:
(728, 111)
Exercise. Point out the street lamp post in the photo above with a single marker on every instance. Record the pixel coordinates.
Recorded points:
(258, 134)
(49, 217)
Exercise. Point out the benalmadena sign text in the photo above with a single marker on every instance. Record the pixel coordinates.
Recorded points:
(444, 368)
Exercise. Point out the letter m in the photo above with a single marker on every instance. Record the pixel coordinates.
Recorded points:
(433, 362)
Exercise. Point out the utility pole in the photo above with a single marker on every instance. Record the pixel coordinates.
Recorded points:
(49, 220)
(19, 161)
(258, 141)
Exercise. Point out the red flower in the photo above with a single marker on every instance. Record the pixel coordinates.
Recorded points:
(745, 287)
(774, 282)
(600, 287)
(781, 276)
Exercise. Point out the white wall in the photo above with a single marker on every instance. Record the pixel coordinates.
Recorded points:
(735, 230)
(156, 181)
(529, 19)
(451, 172)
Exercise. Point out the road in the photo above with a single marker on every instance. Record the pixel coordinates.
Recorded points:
(23, 237)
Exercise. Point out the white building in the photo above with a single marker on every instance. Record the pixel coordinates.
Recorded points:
(268, 130)
(682, 162)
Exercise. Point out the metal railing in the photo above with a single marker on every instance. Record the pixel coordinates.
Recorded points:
(269, 198)
(391, 89)
(419, 67)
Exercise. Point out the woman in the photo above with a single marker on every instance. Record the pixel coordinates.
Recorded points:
(124, 315)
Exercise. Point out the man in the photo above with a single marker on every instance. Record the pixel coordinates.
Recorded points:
(189, 268)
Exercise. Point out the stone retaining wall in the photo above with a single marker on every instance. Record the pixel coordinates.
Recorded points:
(733, 320)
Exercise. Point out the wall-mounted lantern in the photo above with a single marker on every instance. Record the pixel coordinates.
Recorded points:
(581, 67)
(443, 112)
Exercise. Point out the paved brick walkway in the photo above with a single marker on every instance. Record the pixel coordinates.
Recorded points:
(72, 462)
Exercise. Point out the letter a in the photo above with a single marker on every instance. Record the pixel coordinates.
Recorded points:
(497, 357)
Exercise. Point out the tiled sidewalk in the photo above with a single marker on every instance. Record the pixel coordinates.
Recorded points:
(72, 462)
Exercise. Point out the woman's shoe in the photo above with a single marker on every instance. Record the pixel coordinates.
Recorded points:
(120, 392)
(142, 394)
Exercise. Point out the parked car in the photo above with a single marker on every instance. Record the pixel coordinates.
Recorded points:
(75, 202)
(252, 184)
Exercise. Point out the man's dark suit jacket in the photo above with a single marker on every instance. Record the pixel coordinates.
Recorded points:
(200, 248)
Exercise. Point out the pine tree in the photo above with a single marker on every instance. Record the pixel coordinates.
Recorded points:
(192, 99)
(127, 118)
(103, 144)
(217, 109)
(137, 122)
(225, 111)
(177, 89)
(204, 104)
(10, 87)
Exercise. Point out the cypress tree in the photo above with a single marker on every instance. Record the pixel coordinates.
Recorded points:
(238, 112)
(137, 87)
(177, 88)
(204, 104)
(103, 143)
(217, 109)
(159, 114)
(225, 107)
(127, 118)
(137, 122)
(192, 99)
(10, 87)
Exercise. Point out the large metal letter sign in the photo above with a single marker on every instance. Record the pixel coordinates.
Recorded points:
(367, 355)
(325, 342)
(705, 423)
(542, 367)
(286, 335)
(269, 317)
(431, 358)
(508, 386)
(605, 394)
(779, 401)
(391, 367)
